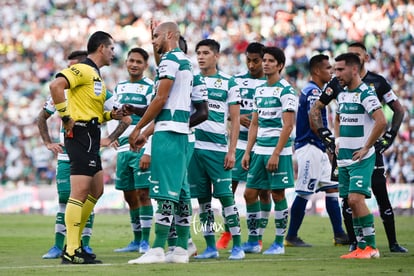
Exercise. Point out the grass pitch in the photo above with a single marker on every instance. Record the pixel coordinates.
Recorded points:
(25, 238)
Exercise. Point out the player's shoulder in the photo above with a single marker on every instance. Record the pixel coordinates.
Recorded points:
(147, 80)
(222, 75)
(241, 75)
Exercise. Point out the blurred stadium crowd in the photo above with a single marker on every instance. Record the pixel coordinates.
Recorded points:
(37, 35)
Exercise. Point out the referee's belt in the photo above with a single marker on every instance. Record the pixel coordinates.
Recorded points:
(93, 123)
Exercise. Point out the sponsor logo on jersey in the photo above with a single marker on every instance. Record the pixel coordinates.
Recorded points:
(328, 91)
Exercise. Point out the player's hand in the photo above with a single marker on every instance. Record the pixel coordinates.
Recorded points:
(246, 161)
(55, 147)
(117, 113)
(327, 138)
(128, 109)
(68, 126)
(133, 138)
(273, 163)
(359, 154)
(245, 120)
(384, 142)
(144, 162)
(229, 161)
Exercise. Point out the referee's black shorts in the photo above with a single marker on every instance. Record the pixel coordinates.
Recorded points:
(82, 146)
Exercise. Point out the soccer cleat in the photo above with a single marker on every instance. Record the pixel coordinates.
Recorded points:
(368, 253)
(209, 253)
(237, 253)
(131, 247)
(295, 242)
(341, 239)
(251, 247)
(275, 249)
(353, 254)
(153, 256)
(191, 249)
(53, 253)
(353, 246)
(396, 248)
(80, 257)
(224, 240)
(143, 247)
(178, 255)
(87, 249)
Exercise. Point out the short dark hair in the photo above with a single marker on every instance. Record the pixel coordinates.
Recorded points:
(277, 53)
(140, 51)
(79, 54)
(182, 43)
(350, 59)
(211, 43)
(358, 45)
(316, 60)
(255, 48)
(97, 39)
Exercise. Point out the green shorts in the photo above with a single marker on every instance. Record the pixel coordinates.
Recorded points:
(356, 178)
(260, 178)
(207, 168)
(63, 176)
(238, 173)
(169, 166)
(129, 176)
(63, 180)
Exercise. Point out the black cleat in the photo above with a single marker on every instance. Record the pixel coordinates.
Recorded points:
(295, 242)
(353, 246)
(396, 248)
(80, 257)
(341, 239)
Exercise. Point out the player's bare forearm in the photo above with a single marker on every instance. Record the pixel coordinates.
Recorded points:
(122, 126)
(378, 129)
(200, 115)
(397, 117)
(288, 123)
(234, 111)
(315, 116)
(43, 128)
(252, 134)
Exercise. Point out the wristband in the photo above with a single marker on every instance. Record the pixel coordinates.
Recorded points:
(108, 115)
(62, 109)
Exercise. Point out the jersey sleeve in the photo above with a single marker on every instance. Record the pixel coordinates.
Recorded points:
(289, 100)
(199, 93)
(49, 106)
(370, 101)
(234, 92)
(167, 68)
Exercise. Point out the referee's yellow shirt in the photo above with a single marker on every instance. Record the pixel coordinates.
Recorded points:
(87, 92)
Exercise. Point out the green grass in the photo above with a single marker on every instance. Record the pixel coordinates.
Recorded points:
(25, 238)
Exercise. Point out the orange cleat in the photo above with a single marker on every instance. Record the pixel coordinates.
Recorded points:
(368, 253)
(353, 254)
(224, 240)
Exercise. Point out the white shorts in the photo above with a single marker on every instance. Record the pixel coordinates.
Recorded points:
(314, 170)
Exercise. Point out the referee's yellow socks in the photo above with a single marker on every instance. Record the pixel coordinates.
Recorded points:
(73, 215)
(87, 208)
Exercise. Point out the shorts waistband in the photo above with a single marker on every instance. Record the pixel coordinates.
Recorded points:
(92, 123)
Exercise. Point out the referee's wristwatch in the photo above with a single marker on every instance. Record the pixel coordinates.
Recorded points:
(65, 119)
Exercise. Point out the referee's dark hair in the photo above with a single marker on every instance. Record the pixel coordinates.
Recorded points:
(358, 45)
(97, 39)
(350, 59)
(316, 60)
(140, 51)
(211, 43)
(80, 55)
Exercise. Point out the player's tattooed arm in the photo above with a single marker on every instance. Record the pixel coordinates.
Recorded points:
(315, 116)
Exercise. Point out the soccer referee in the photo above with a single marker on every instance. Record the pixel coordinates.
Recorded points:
(82, 114)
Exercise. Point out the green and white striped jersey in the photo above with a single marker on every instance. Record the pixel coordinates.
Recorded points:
(247, 85)
(355, 122)
(222, 92)
(138, 94)
(269, 102)
(175, 114)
